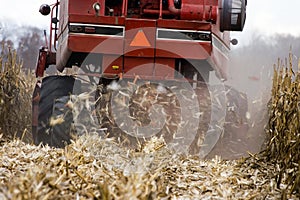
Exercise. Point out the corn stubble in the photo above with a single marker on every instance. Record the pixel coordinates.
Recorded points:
(96, 167)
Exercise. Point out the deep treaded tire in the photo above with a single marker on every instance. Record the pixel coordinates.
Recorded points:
(55, 93)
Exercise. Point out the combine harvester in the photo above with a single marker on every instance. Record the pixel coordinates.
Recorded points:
(151, 61)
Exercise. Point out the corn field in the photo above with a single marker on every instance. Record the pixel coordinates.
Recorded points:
(92, 167)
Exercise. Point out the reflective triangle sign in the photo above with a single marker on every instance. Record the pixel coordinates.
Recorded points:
(140, 40)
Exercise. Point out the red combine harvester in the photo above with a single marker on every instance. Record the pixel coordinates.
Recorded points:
(167, 49)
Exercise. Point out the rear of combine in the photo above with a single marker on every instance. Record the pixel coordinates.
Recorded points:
(143, 54)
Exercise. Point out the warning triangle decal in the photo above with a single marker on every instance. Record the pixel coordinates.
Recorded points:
(140, 40)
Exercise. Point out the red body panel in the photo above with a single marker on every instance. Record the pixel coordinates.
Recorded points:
(200, 10)
(121, 50)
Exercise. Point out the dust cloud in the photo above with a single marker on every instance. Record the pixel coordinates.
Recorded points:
(251, 72)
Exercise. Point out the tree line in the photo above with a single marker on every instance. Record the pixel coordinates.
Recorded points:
(26, 40)
(252, 65)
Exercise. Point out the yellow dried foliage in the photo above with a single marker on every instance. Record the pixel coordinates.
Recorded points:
(96, 168)
(15, 96)
(283, 146)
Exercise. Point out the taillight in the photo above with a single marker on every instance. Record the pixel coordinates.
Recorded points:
(76, 29)
(104, 30)
(89, 29)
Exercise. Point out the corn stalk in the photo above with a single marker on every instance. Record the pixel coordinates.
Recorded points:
(284, 125)
(15, 95)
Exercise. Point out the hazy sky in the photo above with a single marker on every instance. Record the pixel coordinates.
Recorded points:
(263, 16)
(269, 17)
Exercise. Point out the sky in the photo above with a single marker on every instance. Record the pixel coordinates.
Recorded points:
(269, 17)
(265, 17)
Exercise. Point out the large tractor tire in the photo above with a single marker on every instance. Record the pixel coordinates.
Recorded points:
(55, 118)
